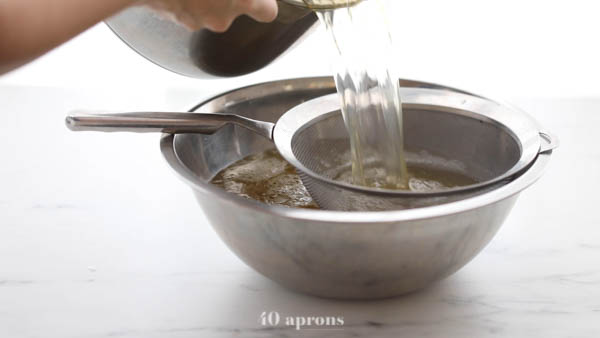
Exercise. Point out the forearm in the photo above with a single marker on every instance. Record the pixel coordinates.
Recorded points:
(30, 28)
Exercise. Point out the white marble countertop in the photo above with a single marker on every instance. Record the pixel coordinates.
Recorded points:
(98, 238)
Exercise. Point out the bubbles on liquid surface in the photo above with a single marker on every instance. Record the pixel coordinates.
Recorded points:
(265, 177)
(425, 173)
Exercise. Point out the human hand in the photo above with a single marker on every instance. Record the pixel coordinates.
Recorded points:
(216, 15)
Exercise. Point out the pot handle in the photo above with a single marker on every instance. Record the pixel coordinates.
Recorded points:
(549, 142)
(158, 122)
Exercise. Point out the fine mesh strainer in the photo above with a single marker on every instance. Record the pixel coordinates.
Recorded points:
(479, 138)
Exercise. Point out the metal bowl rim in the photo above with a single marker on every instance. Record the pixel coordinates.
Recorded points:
(529, 177)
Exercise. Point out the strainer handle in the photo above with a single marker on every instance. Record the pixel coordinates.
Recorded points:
(155, 122)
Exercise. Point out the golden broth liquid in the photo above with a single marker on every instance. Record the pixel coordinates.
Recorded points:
(267, 177)
(366, 81)
(420, 178)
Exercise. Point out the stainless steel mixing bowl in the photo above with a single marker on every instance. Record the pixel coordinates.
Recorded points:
(350, 255)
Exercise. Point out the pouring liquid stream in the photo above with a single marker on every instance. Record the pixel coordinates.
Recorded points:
(369, 92)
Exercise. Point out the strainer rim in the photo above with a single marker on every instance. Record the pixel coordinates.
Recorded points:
(527, 137)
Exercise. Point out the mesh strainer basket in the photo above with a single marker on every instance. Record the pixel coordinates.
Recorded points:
(479, 138)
